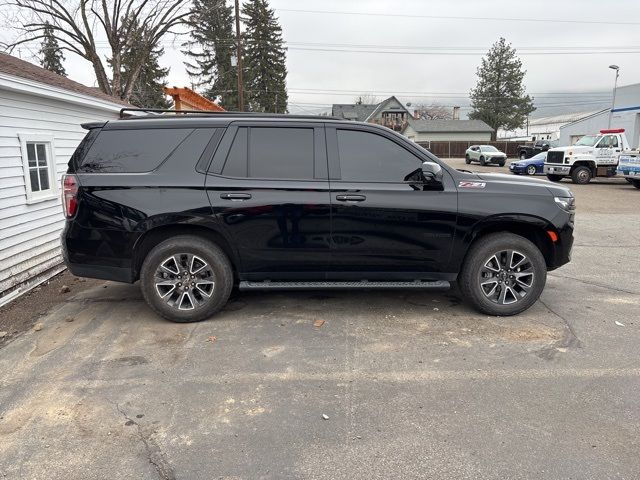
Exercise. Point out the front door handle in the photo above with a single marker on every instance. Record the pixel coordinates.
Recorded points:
(351, 198)
(235, 196)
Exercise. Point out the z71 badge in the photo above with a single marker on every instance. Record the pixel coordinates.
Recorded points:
(472, 184)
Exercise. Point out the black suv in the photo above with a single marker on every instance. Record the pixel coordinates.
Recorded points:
(194, 205)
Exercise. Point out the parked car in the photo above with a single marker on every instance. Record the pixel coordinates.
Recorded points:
(528, 151)
(485, 154)
(195, 205)
(530, 166)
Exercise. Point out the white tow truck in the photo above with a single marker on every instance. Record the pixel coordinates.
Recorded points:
(629, 167)
(591, 156)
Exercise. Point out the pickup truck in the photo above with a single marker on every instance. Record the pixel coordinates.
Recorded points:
(528, 151)
(629, 167)
(591, 156)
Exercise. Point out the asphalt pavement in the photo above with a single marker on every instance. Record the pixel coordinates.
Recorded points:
(342, 385)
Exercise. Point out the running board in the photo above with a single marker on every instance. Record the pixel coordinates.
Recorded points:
(269, 285)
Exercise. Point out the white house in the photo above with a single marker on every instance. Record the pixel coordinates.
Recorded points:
(447, 130)
(40, 117)
(625, 114)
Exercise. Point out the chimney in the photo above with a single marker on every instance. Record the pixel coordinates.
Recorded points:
(456, 113)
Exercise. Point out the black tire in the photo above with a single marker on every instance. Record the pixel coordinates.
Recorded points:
(531, 170)
(501, 163)
(186, 248)
(581, 175)
(475, 269)
(482, 161)
(554, 178)
(636, 183)
(467, 159)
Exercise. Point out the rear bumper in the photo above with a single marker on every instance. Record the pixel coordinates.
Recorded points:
(86, 254)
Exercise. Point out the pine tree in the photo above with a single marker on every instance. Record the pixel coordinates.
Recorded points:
(499, 98)
(147, 90)
(264, 59)
(51, 54)
(212, 47)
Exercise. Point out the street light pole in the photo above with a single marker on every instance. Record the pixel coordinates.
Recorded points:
(615, 87)
(239, 62)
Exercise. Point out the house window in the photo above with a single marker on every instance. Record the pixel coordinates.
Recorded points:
(39, 167)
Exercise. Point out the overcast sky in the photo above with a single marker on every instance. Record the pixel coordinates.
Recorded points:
(445, 78)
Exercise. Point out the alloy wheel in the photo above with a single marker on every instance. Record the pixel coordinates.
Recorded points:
(184, 281)
(531, 170)
(506, 277)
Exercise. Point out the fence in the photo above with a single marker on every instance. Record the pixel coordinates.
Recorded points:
(457, 148)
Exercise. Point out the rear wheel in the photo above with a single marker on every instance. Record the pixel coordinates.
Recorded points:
(581, 175)
(503, 274)
(467, 159)
(482, 161)
(531, 170)
(554, 178)
(186, 279)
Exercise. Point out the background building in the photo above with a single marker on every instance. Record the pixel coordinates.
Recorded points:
(447, 130)
(390, 113)
(40, 117)
(625, 114)
(543, 128)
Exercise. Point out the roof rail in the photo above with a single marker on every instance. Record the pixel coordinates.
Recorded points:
(123, 112)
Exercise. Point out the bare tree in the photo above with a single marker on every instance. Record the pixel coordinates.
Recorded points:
(433, 111)
(81, 27)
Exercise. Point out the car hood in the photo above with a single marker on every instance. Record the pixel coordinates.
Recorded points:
(516, 181)
(494, 154)
(575, 149)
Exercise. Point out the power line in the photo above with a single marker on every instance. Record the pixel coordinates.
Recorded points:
(399, 52)
(452, 17)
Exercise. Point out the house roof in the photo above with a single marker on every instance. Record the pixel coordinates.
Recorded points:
(353, 111)
(449, 126)
(16, 67)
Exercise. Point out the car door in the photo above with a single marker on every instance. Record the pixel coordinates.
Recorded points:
(268, 188)
(607, 150)
(385, 224)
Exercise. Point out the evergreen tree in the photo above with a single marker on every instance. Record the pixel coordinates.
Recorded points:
(50, 52)
(147, 89)
(212, 47)
(264, 59)
(499, 98)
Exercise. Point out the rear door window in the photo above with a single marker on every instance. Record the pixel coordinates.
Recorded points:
(285, 153)
(132, 151)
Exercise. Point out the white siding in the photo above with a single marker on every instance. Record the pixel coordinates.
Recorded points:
(30, 232)
(449, 137)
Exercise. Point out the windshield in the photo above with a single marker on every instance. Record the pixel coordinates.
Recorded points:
(488, 148)
(588, 140)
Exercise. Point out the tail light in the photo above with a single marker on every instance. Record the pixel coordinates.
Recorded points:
(69, 195)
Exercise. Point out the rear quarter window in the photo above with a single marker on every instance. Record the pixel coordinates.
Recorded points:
(131, 151)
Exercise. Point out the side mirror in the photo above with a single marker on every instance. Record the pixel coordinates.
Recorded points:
(432, 172)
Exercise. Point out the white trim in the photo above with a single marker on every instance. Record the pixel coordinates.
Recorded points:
(32, 87)
(52, 191)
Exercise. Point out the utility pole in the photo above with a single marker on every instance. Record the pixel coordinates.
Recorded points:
(615, 87)
(239, 62)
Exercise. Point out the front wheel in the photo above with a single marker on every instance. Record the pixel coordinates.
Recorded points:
(554, 178)
(503, 274)
(482, 161)
(581, 175)
(501, 164)
(186, 279)
(531, 170)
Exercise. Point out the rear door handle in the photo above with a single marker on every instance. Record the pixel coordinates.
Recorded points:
(235, 196)
(351, 198)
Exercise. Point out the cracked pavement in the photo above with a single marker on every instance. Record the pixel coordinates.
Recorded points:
(414, 385)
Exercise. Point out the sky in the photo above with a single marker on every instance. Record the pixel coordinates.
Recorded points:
(413, 50)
